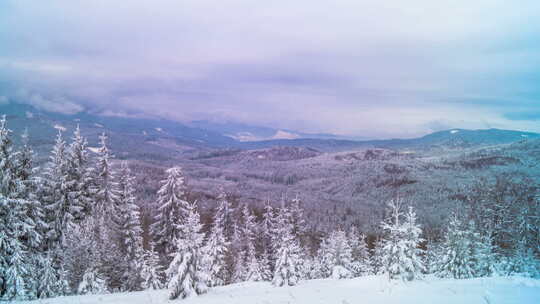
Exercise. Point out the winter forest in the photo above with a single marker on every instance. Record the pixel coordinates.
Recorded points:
(72, 226)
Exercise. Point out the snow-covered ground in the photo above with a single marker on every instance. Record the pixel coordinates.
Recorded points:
(366, 290)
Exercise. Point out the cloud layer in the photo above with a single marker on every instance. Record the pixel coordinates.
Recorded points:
(356, 67)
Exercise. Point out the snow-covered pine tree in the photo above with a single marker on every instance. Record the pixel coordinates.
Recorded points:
(16, 255)
(51, 281)
(361, 259)
(321, 269)
(377, 258)
(311, 269)
(465, 253)
(225, 213)
(128, 230)
(185, 273)
(216, 249)
(267, 229)
(399, 252)
(106, 194)
(79, 253)
(482, 251)
(249, 235)
(152, 272)
(79, 175)
(337, 255)
(523, 261)
(239, 267)
(456, 257)
(172, 206)
(289, 257)
(59, 212)
(414, 266)
(93, 282)
(27, 189)
(297, 219)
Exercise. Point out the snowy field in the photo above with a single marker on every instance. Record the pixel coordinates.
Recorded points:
(374, 289)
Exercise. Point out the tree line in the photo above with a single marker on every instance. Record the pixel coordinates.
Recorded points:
(74, 227)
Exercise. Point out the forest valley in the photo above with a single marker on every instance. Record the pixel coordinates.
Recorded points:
(73, 226)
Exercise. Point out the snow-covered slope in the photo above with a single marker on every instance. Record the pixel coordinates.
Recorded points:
(373, 289)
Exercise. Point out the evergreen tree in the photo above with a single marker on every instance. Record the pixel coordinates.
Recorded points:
(465, 253)
(17, 228)
(456, 260)
(524, 262)
(185, 273)
(288, 270)
(297, 219)
(361, 260)
(109, 264)
(79, 175)
(336, 255)
(51, 282)
(106, 192)
(400, 254)
(93, 282)
(60, 214)
(28, 184)
(80, 252)
(216, 249)
(152, 272)
(267, 229)
(225, 213)
(128, 230)
(253, 268)
(239, 267)
(172, 206)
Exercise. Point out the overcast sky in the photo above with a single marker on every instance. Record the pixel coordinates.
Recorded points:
(366, 68)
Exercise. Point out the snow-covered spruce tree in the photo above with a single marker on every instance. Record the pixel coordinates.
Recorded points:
(185, 273)
(482, 251)
(321, 269)
(456, 255)
(106, 195)
(400, 255)
(48, 283)
(93, 282)
(216, 249)
(361, 259)
(239, 267)
(106, 186)
(249, 235)
(152, 272)
(128, 230)
(523, 262)
(172, 206)
(60, 214)
(297, 219)
(289, 257)
(28, 183)
(17, 259)
(311, 268)
(225, 213)
(79, 175)
(267, 229)
(336, 255)
(80, 251)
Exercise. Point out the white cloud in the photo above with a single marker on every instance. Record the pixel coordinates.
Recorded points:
(56, 104)
(309, 65)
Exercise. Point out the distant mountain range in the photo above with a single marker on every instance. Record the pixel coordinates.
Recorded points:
(209, 135)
